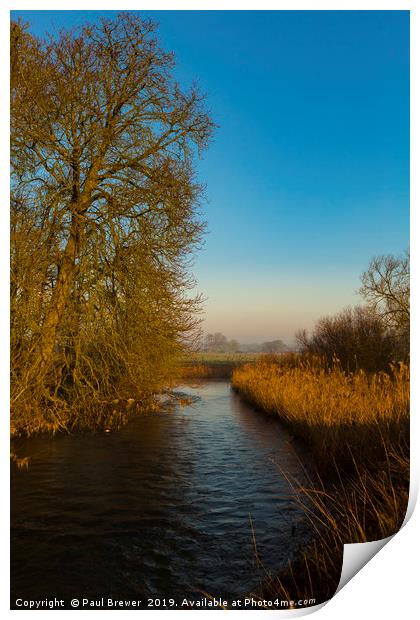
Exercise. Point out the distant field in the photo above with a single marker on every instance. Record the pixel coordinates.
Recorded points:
(196, 365)
(220, 358)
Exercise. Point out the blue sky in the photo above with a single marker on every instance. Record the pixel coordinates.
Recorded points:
(308, 173)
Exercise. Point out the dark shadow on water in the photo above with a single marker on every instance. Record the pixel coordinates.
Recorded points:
(162, 508)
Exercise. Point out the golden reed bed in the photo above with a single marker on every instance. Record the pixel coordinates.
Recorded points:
(356, 427)
(338, 414)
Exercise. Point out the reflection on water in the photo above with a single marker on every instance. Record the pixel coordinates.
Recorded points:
(163, 507)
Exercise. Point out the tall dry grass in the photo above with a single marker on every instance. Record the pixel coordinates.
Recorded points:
(344, 417)
(357, 428)
(358, 508)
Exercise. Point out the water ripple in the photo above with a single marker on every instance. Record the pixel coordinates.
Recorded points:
(162, 508)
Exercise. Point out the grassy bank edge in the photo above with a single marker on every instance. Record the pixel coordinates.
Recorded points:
(360, 492)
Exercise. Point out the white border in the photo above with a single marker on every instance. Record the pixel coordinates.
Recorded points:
(387, 586)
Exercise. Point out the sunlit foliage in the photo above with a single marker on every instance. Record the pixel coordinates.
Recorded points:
(105, 215)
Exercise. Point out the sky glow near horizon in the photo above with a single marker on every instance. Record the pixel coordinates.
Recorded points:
(308, 173)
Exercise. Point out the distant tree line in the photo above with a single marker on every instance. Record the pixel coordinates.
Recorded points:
(218, 343)
(274, 346)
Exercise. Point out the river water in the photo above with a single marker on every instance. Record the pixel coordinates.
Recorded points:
(189, 500)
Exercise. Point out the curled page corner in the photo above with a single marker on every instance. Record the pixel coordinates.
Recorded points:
(357, 555)
(412, 499)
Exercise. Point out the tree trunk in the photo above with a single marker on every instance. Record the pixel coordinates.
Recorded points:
(43, 353)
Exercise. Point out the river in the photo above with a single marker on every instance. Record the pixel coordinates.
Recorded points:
(188, 500)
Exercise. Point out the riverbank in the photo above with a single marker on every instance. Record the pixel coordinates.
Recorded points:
(104, 417)
(152, 510)
(95, 411)
(357, 429)
(351, 501)
(342, 417)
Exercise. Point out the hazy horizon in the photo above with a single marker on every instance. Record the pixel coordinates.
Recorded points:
(260, 313)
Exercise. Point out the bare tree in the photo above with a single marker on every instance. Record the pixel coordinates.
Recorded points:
(273, 346)
(233, 346)
(355, 338)
(216, 343)
(386, 287)
(105, 201)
